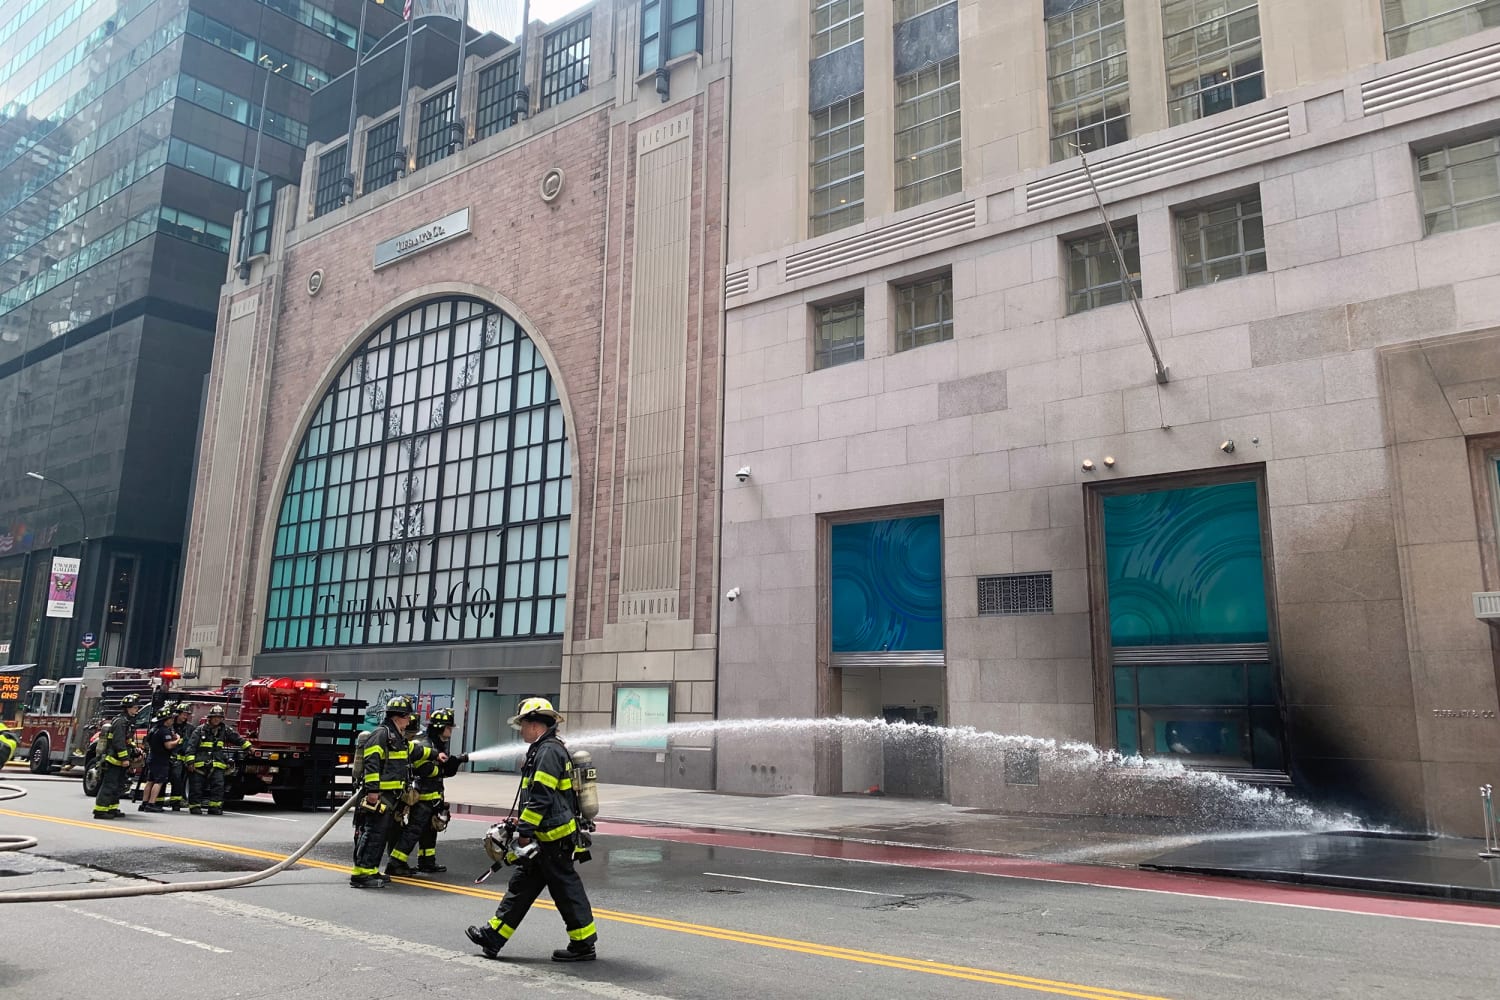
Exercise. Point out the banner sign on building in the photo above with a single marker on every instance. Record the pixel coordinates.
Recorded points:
(63, 590)
(420, 239)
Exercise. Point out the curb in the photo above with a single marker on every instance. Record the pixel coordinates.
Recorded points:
(1379, 886)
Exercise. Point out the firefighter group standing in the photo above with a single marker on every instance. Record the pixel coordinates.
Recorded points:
(182, 761)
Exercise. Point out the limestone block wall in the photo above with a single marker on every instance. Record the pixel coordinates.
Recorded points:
(997, 423)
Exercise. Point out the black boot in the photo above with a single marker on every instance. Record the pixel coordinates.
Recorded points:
(575, 952)
(366, 882)
(487, 938)
(394, 867)
(196, 810)
(431, 867)
(215, 811)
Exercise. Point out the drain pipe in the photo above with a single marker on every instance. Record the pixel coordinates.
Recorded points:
(9, 843)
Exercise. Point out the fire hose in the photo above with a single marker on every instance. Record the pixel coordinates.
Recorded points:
(16, 843)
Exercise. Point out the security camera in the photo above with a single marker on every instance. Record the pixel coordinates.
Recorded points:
(742, 475)
(1227, 447)
(732, 595)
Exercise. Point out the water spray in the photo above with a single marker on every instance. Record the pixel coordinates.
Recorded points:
(1117, 783)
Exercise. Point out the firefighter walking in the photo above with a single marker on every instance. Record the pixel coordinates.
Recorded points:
(430, 763)
(114, 747)
(208, 752)
(385, 763)
(549, 817)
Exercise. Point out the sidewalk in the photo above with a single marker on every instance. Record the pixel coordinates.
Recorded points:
(1446, 868)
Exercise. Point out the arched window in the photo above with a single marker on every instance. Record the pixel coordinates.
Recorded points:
(430, 497)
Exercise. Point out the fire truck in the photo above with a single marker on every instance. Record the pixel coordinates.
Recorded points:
(61, 717)
(301, 731)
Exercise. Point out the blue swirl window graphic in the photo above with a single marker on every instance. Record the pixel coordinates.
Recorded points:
(887, 585)
(1185, 566)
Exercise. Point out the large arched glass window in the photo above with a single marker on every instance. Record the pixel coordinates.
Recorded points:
(430, 497)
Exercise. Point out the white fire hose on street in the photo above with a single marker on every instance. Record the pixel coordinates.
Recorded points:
(18, 843)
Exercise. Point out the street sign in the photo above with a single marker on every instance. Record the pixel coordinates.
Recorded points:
(88, 640)
(86, 654)
(93, 654)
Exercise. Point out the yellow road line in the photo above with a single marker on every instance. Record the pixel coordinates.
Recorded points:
(922, 965)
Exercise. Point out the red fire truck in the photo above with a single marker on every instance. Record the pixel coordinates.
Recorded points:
(61, 717)
(279, 716)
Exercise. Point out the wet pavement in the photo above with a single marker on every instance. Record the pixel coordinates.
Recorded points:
(1400, 864)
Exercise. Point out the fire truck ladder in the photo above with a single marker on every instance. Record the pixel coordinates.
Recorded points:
(330, 775)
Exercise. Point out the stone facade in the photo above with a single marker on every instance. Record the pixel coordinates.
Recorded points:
(567, 266)
(1335, 372)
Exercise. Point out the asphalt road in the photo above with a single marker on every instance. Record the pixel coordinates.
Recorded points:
(676, 920)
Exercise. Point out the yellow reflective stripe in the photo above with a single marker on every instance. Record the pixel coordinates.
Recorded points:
(431, 796)
(557, 833)
(401, 754)
(531, 816)
(544, 779)
(377, 748)
(583, 933)
(566, 785)
(525, 782)
(386, 786)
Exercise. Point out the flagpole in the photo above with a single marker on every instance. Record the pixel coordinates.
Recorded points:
(456, 134)
(523, 96)
(359, 42)
(405, 90)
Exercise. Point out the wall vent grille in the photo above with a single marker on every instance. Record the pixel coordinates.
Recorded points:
(1015, 594)
(736, 283)
(1168, 157)
(886, 239)
(1444, 76)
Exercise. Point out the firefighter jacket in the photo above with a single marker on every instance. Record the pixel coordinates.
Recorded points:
(426, 770)
(7, 743)
(211, 746)
(116, 740)
(547, 791)
(184, 733)
(386, 759)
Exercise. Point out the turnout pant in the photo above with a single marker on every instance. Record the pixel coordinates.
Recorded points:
(113, 781)
(552, 869)
(418, 830)
(206, 787)
(179, 786)
(372, 831)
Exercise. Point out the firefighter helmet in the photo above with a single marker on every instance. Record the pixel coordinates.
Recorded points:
(440, 719)
(540, 708)
(216, 710)
(161, 715)
(181, 708)
(129, 700)
(399, 705)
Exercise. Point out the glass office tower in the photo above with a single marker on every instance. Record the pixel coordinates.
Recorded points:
(128, 132)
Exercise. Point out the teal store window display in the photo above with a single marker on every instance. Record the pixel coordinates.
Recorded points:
(887, 585)
(1189, 628)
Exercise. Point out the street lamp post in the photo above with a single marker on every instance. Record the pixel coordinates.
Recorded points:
(260, 128)
(44, 639)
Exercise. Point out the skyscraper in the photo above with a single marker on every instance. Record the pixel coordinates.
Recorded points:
(128, 133)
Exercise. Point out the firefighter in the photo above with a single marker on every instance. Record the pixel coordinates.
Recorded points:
(430, 764)
(7, 744)
(548, 816)
(114, 747)
(182, 725)
(161, 744)
(209, 751)
(385, 767)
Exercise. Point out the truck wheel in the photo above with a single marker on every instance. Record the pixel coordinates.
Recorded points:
(91, 779)
(41, 755)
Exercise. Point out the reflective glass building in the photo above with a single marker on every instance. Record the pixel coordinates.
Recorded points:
(128, 136)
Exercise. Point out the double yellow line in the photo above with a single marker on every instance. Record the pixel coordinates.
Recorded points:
(975, 975)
